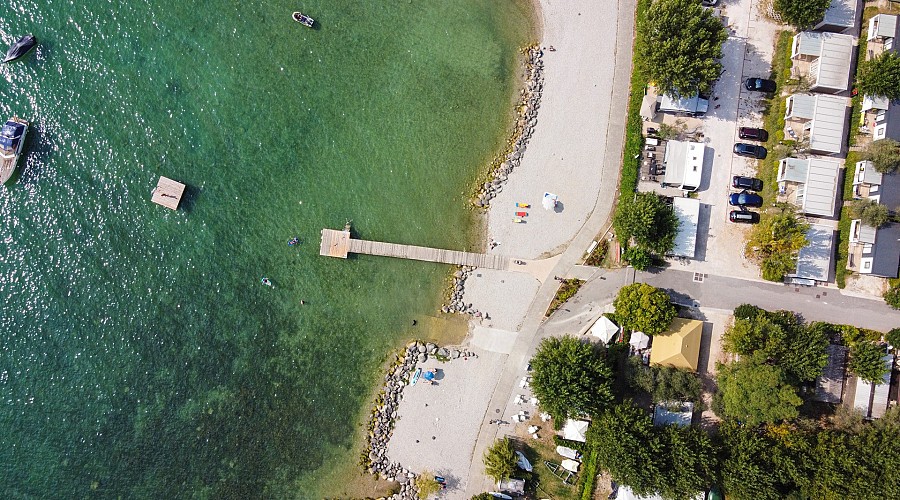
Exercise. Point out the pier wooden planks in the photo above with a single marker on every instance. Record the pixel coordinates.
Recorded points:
(339, 244)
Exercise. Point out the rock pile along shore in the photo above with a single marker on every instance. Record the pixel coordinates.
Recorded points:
(381, 425)
(525, 123)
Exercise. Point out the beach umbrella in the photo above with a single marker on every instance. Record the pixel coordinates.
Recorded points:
(639, 340)
(604, 329)
(429, 375)
(549, 201)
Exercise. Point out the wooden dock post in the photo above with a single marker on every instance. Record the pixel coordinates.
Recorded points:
(168, 193)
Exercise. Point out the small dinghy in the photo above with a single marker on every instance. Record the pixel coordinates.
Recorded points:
(20, 48)
(303, 19)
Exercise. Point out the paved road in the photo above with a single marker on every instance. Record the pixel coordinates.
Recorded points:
(815, 303)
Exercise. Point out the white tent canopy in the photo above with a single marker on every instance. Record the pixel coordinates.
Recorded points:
(604, 329)
(575, 430)
(639, 340)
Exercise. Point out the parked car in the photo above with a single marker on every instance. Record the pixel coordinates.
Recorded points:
(759, 85)
(751, 150)
(743, 216)
(751, 183)
(709, 3)
(754, 134)
(745, 199)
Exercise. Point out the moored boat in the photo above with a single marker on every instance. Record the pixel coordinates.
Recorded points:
(303, 19)
(12, 139)
(20, 48)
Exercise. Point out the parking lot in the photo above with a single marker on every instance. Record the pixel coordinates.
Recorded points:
(746, 53)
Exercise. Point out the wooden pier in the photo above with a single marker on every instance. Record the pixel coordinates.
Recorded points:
(339, 244)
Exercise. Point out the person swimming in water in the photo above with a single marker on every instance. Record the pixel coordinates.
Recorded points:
(266, 281)
(295, 240)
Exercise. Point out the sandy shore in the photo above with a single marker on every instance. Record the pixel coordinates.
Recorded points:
(566, 155)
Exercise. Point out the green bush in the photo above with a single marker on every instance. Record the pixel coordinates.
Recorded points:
(638, 257)
(892, 297)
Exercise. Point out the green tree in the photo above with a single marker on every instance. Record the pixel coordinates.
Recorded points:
(801, 14)
(870, 212)
(753, 392)
(763, 463)
(665, 383)
(692, 462)
(866, 361)
(627, 446)
(775, 242)
(483, 496)
(500, 460)
(880, 76)
(892, 296)
(570, 377)
(426, 484)
(648, 220)
(884, 155)
(893, 337)
(682, 45)
(638, 257)
(644, 308)
(673, 461)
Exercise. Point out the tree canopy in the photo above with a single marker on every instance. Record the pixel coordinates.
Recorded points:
(681, 44)
(801, 14)
(884, 155)
(780, 338)
(665, 383)
(644, 308)
(673, 461)
(785, 461)
(754, 392)
(500, 459)
(870, 212)
(892, 296)
(570, 378)
(648, 220)
(880, 76)
(866, 361)
(775, 242)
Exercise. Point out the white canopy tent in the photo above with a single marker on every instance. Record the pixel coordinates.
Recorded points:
(604, 329)
(575, 430)
(639, 340)
(549, 201)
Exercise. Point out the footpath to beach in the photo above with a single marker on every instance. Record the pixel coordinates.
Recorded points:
(575, 151)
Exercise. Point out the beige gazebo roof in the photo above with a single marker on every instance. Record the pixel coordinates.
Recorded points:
(679, 346)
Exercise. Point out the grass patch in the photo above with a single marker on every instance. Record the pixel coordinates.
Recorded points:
(774, 109)
(547, 485)
(588, 475)
(634, 137)
(566, 291)
(842, 253)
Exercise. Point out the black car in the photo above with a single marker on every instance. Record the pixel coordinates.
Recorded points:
(743, 216)
(751, 150)
(754, 134)
(745, 199)
(759, 85)
(751, 183)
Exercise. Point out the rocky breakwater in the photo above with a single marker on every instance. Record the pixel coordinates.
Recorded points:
(526, 120)
(456, 304)
(381, 425)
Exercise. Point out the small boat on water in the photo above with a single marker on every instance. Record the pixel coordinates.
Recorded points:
(20, 48)
(12, 139)
(303, 19)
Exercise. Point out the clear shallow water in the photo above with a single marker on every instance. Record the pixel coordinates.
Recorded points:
(139, 355)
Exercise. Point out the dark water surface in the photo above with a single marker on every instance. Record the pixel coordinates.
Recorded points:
(141, 357)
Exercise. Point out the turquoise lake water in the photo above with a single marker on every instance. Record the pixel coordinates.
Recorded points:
(141, 357)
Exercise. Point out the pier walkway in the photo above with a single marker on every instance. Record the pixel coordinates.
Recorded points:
(339, 243)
